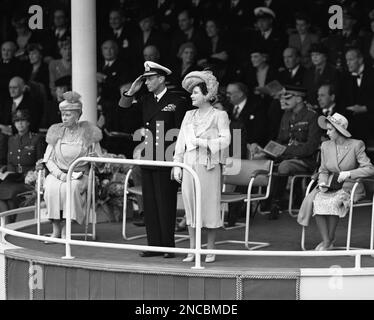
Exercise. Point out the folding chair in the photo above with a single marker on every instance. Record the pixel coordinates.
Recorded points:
(293, 178)
(250, 173)
(137, 191)
(304, 176)
(90, 203)
(367, 201)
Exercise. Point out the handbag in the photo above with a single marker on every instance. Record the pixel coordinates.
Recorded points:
(333, 184)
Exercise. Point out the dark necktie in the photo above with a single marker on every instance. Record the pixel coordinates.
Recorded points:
(14, 106)
(236, 112)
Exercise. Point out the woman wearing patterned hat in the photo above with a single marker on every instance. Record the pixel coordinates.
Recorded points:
(202, 141)
(24, 150)
(68, 141)
(342, 160)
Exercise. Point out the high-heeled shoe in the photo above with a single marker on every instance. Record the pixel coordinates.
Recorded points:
(190, 258)
(322, 247)
(319, 246)
(210, 258)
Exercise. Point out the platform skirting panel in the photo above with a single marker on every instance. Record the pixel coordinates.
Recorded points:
(38, 281)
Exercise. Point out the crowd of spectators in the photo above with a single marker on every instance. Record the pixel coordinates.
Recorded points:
(246, 44)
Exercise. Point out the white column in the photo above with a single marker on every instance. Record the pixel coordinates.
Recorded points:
(83, 31)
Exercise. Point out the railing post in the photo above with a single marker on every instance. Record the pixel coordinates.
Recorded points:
(38, 202)
(68, 214)
(357, 261)
(197, 223)
(2, 234)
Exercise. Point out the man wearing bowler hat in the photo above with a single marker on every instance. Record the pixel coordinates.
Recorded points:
(162, 111)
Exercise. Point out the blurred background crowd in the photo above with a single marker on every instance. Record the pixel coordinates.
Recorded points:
(247, 45)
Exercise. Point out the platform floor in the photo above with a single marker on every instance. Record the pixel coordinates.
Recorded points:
(283, 234)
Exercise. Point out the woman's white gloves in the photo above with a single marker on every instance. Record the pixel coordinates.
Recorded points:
(344, 175)
(198, 142)
(177, 174)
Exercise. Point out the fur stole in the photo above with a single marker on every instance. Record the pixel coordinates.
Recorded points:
(89, 133)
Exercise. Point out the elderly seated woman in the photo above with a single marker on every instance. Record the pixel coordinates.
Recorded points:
(24, 150)
(68, 141)
(344, 158)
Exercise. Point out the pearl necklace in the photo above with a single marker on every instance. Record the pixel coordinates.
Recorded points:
(71, 135)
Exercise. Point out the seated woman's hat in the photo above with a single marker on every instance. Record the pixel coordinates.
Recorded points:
(20, 115)
(192, 79)
(338, 121)
(71, 102)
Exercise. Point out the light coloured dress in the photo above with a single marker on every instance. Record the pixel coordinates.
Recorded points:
(334, 203)
(60, 154)
(352, 158)
(213, 128)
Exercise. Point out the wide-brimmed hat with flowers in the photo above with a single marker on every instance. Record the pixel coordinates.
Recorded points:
(192, 79)
(338, 121)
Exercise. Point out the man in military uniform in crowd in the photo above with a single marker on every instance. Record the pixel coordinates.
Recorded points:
(24, 150)
(300, 133)
(162, 111)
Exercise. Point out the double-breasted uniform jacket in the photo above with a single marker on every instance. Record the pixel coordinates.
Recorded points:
(353, 159)
(24, 151)
(301, 134)
(158, 118)
(159, 191)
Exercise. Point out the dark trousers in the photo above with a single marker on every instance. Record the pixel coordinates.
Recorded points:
(283, 170)
(160, 206)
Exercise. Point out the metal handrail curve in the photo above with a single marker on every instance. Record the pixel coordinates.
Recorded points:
(198, 251)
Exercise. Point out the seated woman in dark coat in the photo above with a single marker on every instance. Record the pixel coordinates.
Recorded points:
(24, 150)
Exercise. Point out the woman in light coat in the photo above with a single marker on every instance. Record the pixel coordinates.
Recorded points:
(346, 158)
(68, 141)
(202, 143)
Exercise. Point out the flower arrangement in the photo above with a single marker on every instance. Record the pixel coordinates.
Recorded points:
(28, 198)
(109, 188)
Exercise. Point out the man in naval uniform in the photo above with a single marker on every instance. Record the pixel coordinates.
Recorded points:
(162, 111)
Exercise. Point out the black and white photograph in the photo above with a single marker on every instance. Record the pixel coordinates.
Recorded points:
(186, 156)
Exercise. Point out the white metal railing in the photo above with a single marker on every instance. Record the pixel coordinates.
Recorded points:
(198, 251)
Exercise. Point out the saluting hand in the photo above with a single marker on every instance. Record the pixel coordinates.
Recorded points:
(136, 85)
